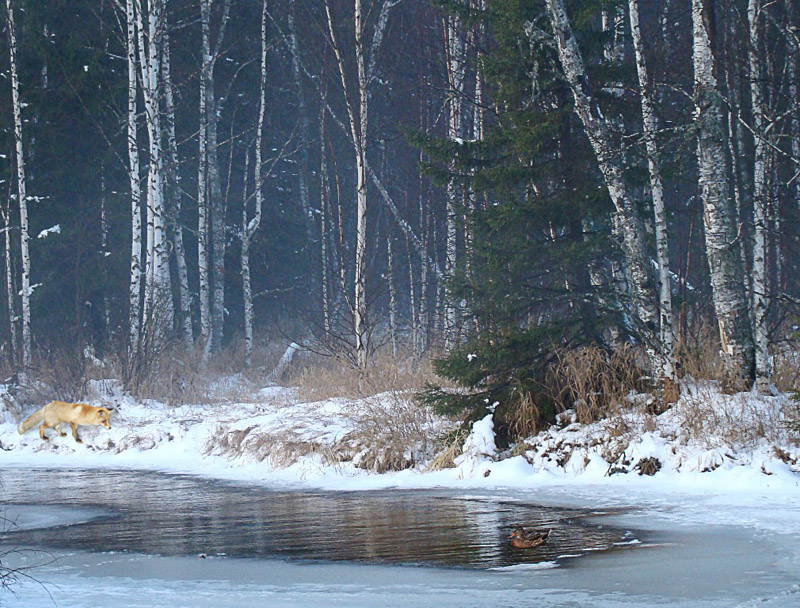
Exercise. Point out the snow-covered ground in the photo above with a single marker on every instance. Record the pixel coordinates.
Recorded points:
(724, 463)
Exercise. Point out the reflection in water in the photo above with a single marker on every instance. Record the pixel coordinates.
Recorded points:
(160, 514)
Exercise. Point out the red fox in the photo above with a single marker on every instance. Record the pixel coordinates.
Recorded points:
(55, 413)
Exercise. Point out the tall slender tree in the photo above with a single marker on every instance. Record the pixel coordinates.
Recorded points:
(721, 233)
(22, 192)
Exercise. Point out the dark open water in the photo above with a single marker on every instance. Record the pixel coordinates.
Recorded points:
(173, 515)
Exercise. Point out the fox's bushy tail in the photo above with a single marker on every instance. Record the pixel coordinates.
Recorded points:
(31, 421)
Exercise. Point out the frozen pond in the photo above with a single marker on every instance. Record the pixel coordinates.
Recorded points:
(103, 538)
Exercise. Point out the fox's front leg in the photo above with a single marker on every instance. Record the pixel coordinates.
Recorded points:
(75, 431)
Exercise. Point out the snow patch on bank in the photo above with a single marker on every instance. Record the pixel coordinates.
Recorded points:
(711, 450)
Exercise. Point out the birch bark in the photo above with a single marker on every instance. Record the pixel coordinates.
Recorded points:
(358, 116)
(214, 188)
(392, 296)
(135, 284)
(760, 200)
(456, 67)
(10, 291)
(721, 233)
(158, 292)
(202, 182)
(302, 172)
(324, 197)
(657, 192)
(630, 225)
(21, 190)
(249, 226)
(184, 312)
(793, 71)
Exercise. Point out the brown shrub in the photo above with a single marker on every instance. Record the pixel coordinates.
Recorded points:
(595, 381)
(319, 377)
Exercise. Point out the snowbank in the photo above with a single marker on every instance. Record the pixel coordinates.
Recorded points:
(734, 449)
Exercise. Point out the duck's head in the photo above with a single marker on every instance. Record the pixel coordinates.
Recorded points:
(517, 533)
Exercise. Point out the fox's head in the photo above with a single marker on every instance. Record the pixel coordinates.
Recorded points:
(102, 417)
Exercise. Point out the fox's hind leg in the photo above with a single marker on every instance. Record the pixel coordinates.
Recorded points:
(75, 431)
(47, 426)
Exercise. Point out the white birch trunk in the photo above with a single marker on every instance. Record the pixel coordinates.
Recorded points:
(21, 191)
(184, 312)
(392, 297)
(721, 232)
(216, 203)
(412, 297)
(360, 296)
(135, 284)
(247, 291)
(158, 289)
(324, 197)
(202, 182)
(424, 286)
(657, 192)
(358, 113)
(249, 226)
(793, 74)
(631, 227)
(302, 172)
(760, 201)
(10, 290)
(456, 66)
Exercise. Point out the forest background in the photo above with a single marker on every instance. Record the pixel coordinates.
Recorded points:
(515, 189)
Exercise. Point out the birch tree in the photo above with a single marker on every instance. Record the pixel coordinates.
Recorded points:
(793, 74)
(135, 283)
(357, 103)
(158, 290)
(249, 226)
(302, 172)
(184, 312)
(760, 198)
(211, 219)
(628, 221)
(10, 290)
(721, 233)
(455, 53)
(650, 127)
(22, 195)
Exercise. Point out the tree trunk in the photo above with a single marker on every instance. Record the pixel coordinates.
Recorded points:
(721, 232)
(324, 197)
(760, 201)
(793, 74)
(158, 291)
(21, 191)
(630, 225)
(657, 192)
(392, 296)
(10, 289)
(456, 67)
(184, 312)
(303, 165)
(203, 225)
(250, 226)
(135, 285)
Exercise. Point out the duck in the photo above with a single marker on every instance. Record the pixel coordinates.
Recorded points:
(524, 539)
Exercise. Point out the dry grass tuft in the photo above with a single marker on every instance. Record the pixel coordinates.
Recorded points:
(736, 421)
(320, 377)
(697, 352)
(786, 366)
(595, 381)
(450, 448)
